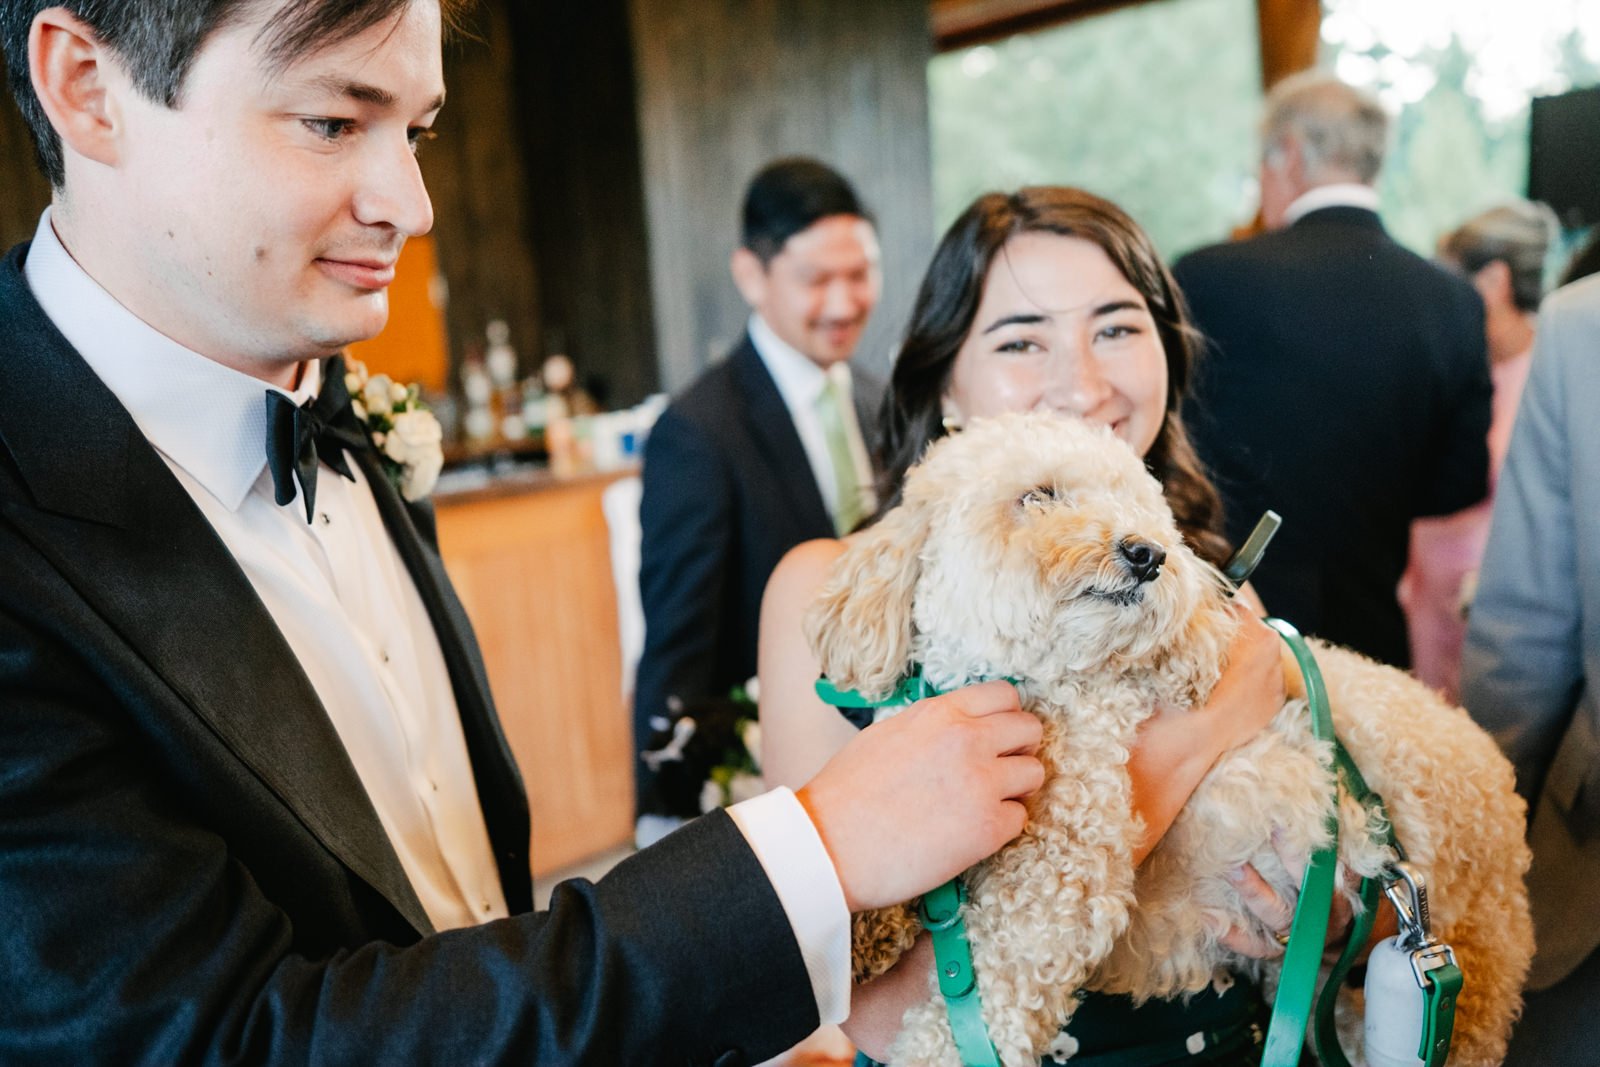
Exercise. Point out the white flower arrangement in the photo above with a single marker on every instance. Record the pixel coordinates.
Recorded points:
(738, 777)
(408, 437)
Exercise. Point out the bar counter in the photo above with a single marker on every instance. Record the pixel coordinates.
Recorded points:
(529, 554)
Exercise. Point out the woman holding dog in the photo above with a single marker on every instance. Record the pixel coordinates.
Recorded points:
(1050, 299)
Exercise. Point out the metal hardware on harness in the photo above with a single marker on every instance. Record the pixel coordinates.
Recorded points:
(1244, 562)
(1431, 958)
(1433, 963)
(1408, 892)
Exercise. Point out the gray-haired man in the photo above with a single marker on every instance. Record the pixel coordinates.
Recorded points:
(1348, 383)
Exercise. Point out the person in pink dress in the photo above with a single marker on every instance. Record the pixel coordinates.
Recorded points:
(1502, 251)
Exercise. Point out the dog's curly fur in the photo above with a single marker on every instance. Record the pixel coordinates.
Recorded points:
(1003, 561)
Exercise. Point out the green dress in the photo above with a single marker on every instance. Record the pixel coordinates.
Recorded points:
(1211, 1029)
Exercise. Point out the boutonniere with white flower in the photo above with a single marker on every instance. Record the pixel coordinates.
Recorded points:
(408, 437)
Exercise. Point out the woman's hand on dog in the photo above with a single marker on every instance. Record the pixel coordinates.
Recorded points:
(1177, 746)
(918, 798)
(1267, 938)
(1251, 689)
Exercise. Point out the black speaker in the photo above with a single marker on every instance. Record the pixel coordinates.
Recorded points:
(1564, 155)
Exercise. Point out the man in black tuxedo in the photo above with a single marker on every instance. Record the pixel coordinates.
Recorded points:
(1346, 385)
(255, 805)
(766, 449)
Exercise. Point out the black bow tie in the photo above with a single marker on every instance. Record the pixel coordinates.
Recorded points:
(300, 436)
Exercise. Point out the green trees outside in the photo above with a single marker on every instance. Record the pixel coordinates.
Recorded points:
(1155, 106)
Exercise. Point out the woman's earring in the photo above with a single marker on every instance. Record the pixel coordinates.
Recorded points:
(951, 424)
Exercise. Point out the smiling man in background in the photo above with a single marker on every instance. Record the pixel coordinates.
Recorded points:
(767, 449)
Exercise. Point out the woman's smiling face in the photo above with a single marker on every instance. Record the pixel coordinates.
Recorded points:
(1059, 328)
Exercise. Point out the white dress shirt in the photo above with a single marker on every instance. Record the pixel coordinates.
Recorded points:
(340, 594)
(1340, 194)
(800, 382)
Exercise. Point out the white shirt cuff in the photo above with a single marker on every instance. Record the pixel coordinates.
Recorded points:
(790, 850)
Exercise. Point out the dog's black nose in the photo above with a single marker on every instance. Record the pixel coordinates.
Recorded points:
(1142, 558)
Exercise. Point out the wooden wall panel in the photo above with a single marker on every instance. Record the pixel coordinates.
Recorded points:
(1290, 29)
(1290, 32)
(960, 23)
(477, 174)
(726, 85)
(580, 135)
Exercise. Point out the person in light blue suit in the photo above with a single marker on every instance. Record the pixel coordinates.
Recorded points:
(1531, 661)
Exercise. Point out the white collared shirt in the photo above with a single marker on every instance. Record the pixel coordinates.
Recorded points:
(340, 594)
(800, 382)
(1341, 194)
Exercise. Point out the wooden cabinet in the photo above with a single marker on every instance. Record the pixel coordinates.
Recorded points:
(533, 567)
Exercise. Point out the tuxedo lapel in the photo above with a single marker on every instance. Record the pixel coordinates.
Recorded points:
(500, 790)
(769, 424)
(127, 537)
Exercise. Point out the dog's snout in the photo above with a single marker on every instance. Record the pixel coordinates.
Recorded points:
(1142, 558)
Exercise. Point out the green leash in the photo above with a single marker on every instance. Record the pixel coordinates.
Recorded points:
(1433, 964)
(1297, 987)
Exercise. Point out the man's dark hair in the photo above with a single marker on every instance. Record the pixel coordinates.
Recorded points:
(787, 196)
(157, 41)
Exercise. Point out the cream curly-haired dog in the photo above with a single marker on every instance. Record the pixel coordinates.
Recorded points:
(1038, 548)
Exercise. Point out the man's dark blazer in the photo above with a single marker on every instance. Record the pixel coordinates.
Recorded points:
(190, 870)
(727, 491)
(1345, 386)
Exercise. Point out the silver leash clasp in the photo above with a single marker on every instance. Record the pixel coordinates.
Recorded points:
(1408, 892)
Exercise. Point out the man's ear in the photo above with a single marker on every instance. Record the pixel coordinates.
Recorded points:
(1493, 282)
(69, 68)
(749, 276)
(1291, 160)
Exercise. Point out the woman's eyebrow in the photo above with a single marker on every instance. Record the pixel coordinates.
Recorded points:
(1023, 318)
(1117, 305)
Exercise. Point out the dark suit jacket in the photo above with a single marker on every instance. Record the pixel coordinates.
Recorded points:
(190, 869)
(1346, 386)
(727, 491)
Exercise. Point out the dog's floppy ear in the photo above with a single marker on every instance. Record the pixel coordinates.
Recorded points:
(860, 624)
